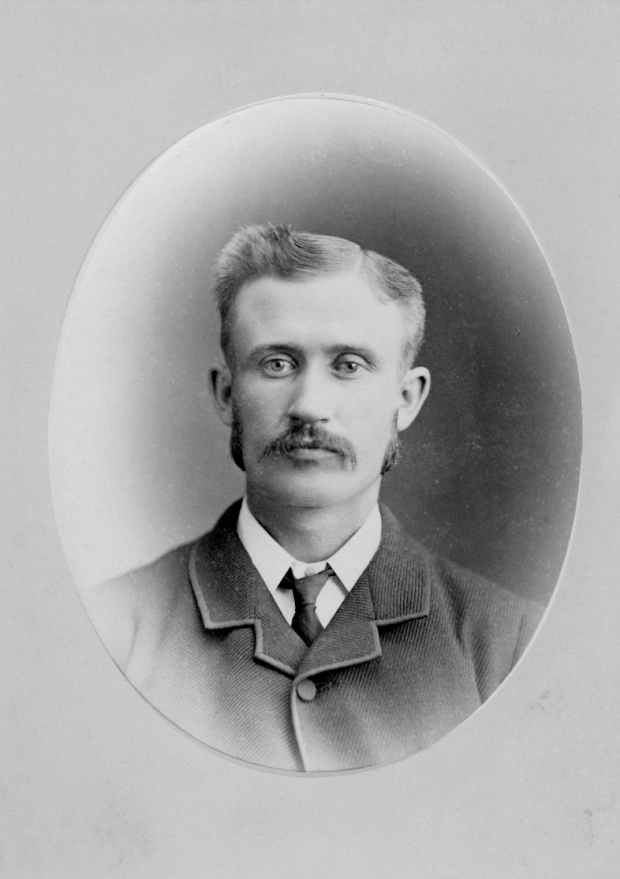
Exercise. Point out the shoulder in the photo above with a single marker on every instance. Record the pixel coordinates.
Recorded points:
(479, 604)
(469, 593)
(133, 610)
(137, 602)
(491, 625)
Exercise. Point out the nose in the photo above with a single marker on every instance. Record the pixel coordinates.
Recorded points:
(312, 397)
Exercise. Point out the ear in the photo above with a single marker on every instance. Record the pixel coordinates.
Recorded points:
(220, 385)
(414, 389)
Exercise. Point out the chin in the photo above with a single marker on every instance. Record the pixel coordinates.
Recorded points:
(303, 488)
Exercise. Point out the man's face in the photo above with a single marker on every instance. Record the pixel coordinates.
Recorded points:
(317, 389)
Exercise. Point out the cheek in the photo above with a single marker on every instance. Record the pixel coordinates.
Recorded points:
(372, 423)
(257, 413)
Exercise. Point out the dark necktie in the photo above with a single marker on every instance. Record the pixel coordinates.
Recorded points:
(305, 592)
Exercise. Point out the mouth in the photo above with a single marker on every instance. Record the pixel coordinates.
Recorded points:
(309, 453)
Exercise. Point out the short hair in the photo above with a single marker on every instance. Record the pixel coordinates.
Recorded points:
(276, 251)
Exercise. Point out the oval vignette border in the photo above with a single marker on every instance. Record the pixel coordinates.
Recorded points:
(491, 468)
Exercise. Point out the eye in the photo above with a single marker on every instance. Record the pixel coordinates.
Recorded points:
(349, 366)
(277, 366)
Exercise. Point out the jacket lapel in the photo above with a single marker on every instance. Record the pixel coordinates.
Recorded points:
(395, 587)
(350, 638)
(276, 643)
(399, 575)
(230, 593)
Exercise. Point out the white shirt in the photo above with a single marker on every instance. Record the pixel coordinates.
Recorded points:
(272, 562)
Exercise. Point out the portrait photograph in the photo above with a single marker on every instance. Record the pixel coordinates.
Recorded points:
(310, 441)
(246, 384)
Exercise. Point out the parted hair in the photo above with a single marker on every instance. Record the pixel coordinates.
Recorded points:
(279, 252)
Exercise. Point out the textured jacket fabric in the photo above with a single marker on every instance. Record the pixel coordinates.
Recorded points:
(415, 648)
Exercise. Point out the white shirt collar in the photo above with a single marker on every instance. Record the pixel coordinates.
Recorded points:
(272, 561)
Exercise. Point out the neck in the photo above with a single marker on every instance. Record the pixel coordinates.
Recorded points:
(312, 534)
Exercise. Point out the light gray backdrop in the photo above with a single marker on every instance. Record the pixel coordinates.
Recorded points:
(93, 782)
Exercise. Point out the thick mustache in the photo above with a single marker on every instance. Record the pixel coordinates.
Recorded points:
(307, 435)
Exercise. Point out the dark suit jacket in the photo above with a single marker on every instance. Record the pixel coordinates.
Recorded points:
(415, 648)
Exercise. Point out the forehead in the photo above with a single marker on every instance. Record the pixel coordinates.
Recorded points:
(338, 308)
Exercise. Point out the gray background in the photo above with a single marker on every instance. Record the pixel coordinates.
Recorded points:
(93, 782)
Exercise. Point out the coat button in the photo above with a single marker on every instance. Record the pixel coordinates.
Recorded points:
(306, 690)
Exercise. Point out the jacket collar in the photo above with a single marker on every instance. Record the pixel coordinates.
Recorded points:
(230, 593)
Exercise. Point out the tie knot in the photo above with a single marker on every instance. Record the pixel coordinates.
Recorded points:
(306, 589)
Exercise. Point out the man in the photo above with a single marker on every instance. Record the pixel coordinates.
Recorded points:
(307, 631)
